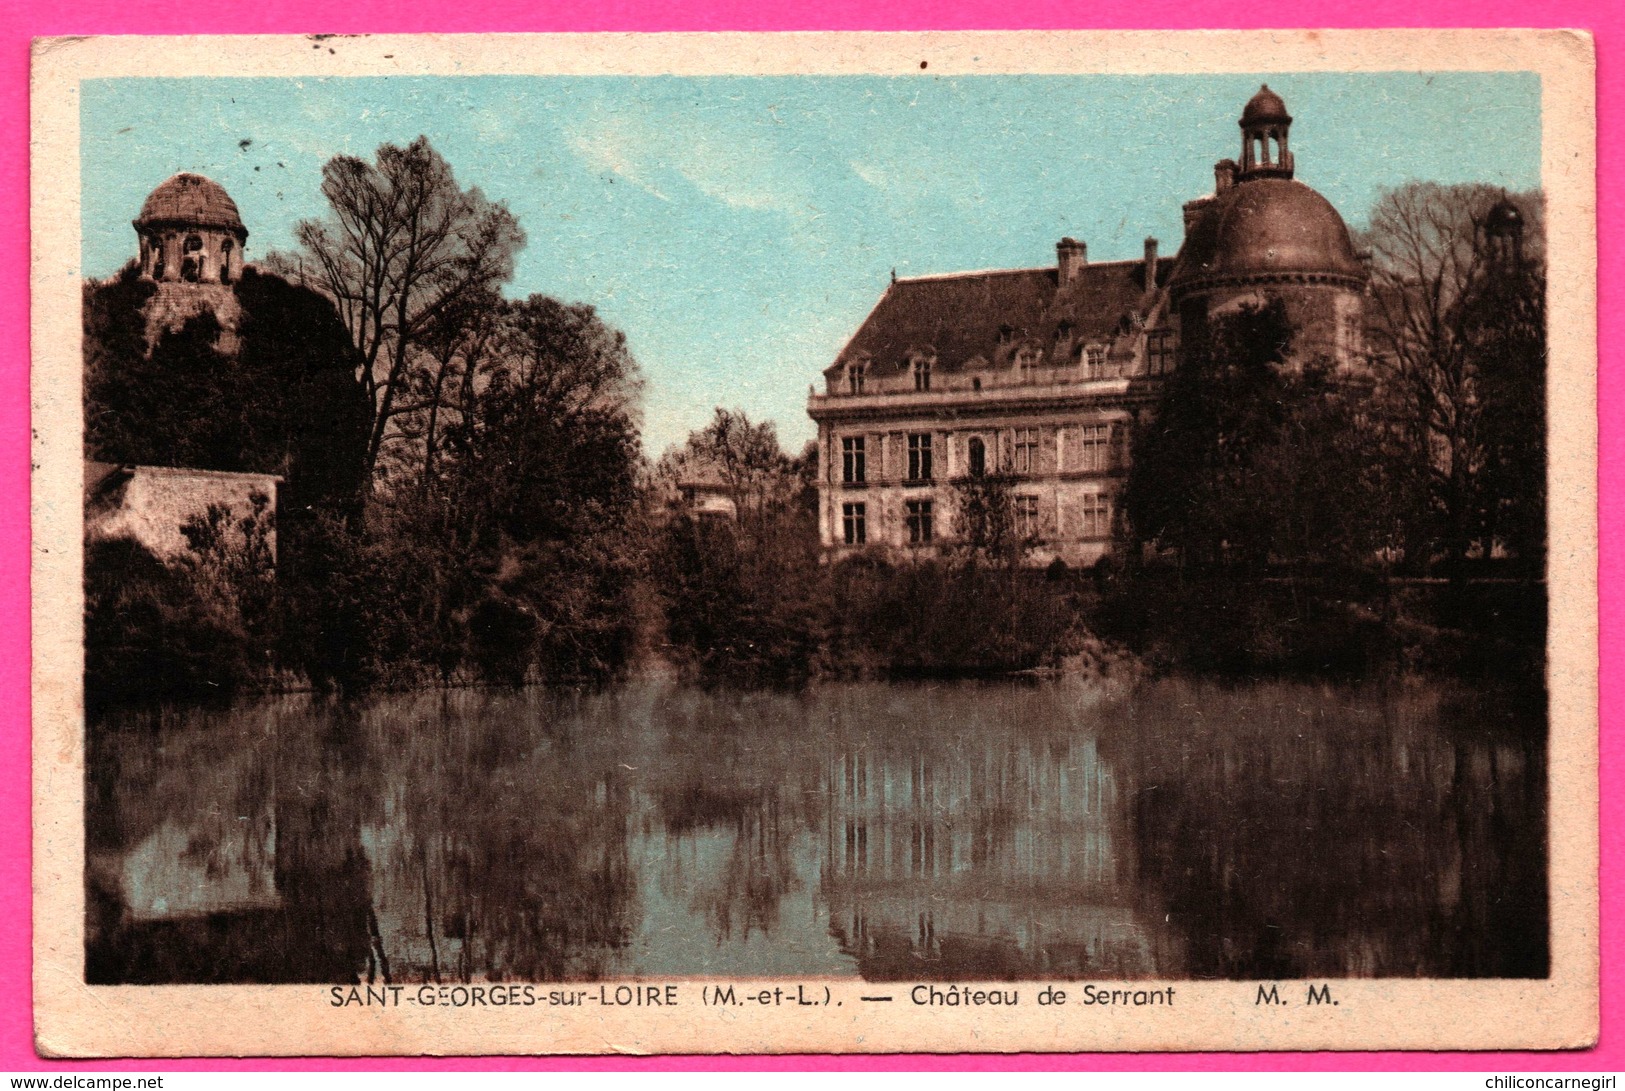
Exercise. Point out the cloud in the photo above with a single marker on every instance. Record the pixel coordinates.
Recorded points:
(662, 155)
(738, 176)
(611, 149)
(913, 178)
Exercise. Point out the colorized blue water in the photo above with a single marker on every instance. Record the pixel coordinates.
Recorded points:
(893, 832)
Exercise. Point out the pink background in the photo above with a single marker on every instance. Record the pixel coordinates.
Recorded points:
(18, 24)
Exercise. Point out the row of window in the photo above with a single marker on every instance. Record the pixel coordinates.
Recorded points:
(1091, 444)
(193, 258)
(919, 517)
(1094, 520)
(1160, 347)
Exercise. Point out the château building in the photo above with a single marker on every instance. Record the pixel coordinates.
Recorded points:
(1044, 374)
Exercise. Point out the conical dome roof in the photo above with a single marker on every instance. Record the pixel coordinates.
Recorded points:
(191, 200)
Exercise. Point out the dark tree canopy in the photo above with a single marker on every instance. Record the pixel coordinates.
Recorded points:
(285, 401)
(402, 249)
(1249, 459)
(1459, 305)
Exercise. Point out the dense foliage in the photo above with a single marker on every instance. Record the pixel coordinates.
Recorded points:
(748, 599)
(459, 469)
(1252, 459)
(1458, 297)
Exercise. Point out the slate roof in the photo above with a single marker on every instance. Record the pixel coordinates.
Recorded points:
(959, 316)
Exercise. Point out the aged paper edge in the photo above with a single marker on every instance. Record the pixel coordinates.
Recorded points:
(76, 1020)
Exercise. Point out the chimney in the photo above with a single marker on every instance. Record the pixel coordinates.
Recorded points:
(1070, 258)
(1224, 175)
(1150, 264)
(1193, 212)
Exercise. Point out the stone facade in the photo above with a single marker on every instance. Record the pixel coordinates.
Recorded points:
(1043, 374)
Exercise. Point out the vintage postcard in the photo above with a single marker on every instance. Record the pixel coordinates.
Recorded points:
(719, 543)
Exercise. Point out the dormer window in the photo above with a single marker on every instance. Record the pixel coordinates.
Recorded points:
(1006, 334)
(1063, 332)
(1160, 346)
(854, 377)
(1027, 361)
(922, 373)
(1094, 361)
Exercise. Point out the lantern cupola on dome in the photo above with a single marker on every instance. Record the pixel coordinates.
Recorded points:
(1264, 127)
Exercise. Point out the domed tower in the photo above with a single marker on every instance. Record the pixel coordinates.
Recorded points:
(1264, 236)
(190, 231)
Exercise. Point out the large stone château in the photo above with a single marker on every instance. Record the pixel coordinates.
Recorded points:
(1043, 374)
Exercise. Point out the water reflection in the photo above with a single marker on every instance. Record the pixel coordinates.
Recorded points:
(894, 832)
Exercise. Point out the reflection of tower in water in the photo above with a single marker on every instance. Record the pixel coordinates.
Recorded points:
(943, 861)
(228, 852)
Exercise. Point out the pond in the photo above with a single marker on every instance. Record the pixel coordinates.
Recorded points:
(960, 830)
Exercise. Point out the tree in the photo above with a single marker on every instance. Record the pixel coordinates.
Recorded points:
(461, 344)
(742, 595)
(1460, 348)
(985, 520)
(403, 245)
(518, 539)
(760, 478)
(1252, 459)
(277, 396)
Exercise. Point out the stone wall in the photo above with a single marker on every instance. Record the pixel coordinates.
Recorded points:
(150, 504)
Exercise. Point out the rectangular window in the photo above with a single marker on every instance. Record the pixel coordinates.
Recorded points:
(919, 456)
(1094, 447)
(1095, 513)
(1159, 351)
(919, 522)
(1095, 362)
(1027, 365)
(854, 525)
(922, 374)
(853, 468)
(1026, 450)
(1027, 517)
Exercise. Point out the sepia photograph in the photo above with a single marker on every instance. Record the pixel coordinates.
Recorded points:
(934, 533)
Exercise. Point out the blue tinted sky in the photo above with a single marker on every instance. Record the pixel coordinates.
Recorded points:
(739, 229)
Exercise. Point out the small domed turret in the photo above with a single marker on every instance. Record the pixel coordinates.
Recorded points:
(190, 230)
(1263, 235)
(1264, 127)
